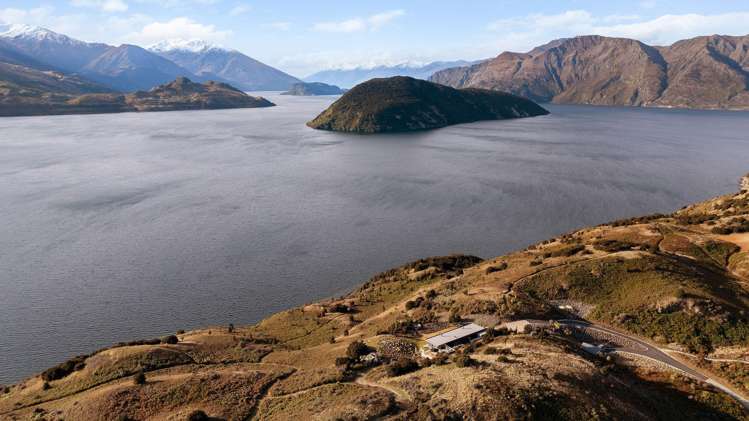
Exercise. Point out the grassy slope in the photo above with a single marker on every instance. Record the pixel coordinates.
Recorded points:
(674, 279)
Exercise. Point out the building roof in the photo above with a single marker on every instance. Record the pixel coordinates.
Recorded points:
(455, 334)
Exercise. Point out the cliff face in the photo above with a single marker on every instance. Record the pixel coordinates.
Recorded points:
(704, 72)
(401, 104)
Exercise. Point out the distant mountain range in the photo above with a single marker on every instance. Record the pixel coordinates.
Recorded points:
(710, 72)
(347, 78)
(129, 68)
(208, 61)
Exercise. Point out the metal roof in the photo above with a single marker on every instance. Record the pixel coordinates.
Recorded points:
(455, 334)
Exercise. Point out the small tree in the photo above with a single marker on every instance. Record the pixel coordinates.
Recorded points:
(357, 349)
(231, 328)
(171, 339)
(140, 377)
(401, 366)
(198, 415)
(463, 360)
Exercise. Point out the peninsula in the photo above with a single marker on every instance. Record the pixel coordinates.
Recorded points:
(642, 318)
(181, 94)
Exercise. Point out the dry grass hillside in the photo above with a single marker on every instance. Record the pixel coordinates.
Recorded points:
(679, 282)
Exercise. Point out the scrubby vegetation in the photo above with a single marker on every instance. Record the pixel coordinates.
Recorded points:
(697, 332)
(666, 278)
(61, 370)
(401, 366)
(139, 378)
(612, 246)
(564, 251)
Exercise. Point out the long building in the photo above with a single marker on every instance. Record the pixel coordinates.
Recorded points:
(457, 336)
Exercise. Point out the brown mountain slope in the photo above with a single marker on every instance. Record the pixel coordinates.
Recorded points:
(674, 283)
(704, 72)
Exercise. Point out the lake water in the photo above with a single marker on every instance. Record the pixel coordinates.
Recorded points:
(128, 226)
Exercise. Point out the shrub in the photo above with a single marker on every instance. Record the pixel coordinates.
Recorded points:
(412, 304)
(198, 415)
(535, 262)
(63, 369)
(454, 317)
(230, 329)
(154, 341)
(171, 339)
(498, 268)
(357, 349)
(440, 359)
(139, 378)
(463, 360)
(343, 362)
(340, 308)
(401, 366)
(565, 251)
(612, 246)
(4, 389)
(46, 386)
(181, 332)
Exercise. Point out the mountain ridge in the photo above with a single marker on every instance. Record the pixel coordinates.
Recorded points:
(703, 72)
(209, 61)
(347, 78)
(130, 68)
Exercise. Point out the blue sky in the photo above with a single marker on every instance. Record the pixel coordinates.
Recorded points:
(305, 36)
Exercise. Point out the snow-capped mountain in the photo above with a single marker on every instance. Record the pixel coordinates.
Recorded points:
(211, 61)
(57, 50)
(347, 78)
(129, 67)
(20, 31)
(191, 46)
(125, 68)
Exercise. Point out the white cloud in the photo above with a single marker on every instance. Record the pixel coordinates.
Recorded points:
(179, 3)
(279, 26)
(28, 16)
(240, 9)
(177, 28)
(373, 22)
(524, 33)
(669, 28)
(103, 5)
(74, 25)
(350, 25)
(648, 4)
(380, 19)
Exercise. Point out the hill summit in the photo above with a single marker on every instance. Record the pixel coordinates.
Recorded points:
(402, 104)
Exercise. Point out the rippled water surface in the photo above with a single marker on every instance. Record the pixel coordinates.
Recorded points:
(118, 227)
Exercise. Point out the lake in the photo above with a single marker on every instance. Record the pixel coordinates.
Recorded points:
(129, 226)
